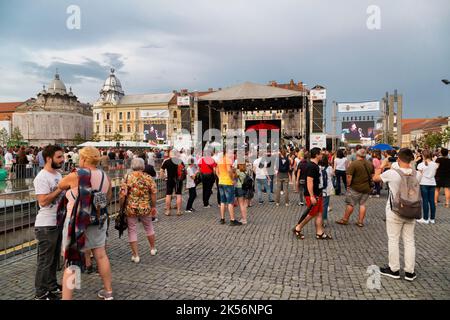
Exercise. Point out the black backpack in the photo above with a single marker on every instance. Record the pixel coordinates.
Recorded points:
(247, 184)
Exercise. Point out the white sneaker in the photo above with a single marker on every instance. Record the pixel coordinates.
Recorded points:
(423, 221)
(287, 204)
(135, 259)
(432, 221)
(153, 252)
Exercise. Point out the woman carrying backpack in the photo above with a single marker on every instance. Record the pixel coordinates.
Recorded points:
(241, 188)
(94, 235)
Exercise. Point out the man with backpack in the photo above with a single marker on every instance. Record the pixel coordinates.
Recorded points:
(402, 209)
(176, 174)
(359, 186)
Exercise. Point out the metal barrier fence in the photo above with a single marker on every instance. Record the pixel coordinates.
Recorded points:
(18, 212)
(30, 171)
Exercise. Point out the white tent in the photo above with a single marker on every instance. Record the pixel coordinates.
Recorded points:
(123, 144)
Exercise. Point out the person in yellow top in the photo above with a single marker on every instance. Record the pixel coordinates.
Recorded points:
(226, 174)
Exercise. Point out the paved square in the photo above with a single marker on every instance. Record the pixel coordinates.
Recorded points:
(200, 259)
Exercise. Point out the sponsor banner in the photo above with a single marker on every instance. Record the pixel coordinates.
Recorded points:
(154, 114)
(318, 141)
(359, 106)
(318, 94)
(184, 101)
(358, 131)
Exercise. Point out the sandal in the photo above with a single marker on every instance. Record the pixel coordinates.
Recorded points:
(167, 213)
(298, 234)
(447, 205)
(323, 236)
(342, 221)
(179, 213)
(360, 224)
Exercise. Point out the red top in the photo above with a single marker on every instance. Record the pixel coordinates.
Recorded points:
(206, 165)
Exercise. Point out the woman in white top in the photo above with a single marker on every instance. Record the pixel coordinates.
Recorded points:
(340, 168)
(190, 184)
(428, 170)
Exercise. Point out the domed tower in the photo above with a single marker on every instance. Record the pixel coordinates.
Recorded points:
(57, 86)
(112, 90)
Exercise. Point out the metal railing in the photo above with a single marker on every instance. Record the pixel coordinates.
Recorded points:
(30, 171)
(18, 210)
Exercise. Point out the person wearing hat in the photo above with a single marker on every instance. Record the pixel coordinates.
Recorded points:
(359, 186)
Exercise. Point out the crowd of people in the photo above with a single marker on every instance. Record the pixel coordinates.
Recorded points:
(72, 220)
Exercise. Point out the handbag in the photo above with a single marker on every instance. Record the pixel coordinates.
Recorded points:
(371, 183)
(121, 219)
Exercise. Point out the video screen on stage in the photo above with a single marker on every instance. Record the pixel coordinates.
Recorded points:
(154, 132)
(358, 131)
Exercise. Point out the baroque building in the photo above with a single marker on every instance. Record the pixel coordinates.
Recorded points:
(55, 116)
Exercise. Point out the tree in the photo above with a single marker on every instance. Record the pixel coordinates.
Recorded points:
(4, 137)
(95, 137)
(445, 136)
(16, 135)
(134, 137)
(431, 140)
(117, 137)
(78, 139)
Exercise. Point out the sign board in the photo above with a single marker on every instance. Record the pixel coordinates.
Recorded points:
(359, 106)
(184, 101)
(318, 94)
(318, 141)
(154, 114)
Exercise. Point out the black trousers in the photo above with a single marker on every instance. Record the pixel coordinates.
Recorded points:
(48, 252)
(192, 196)
(208, 182)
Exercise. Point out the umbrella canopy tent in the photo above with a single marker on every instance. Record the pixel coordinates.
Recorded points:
(382, 147)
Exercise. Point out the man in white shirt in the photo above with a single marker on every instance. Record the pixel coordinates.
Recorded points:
(262, 178)
(48, 233)
(395, 224)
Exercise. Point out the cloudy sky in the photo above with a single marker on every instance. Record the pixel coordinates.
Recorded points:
(158, 46)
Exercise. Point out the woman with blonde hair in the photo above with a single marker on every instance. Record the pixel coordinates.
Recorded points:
(91, 234)
(239, 192)
(138, 188)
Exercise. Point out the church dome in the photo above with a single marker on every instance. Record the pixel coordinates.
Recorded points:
(112, 89)
(112, 83)
(57, 86)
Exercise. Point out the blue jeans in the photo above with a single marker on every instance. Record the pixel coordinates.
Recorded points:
(227, 194)
(428, 201)
(260, 184)
(326, 203)
(340, 175)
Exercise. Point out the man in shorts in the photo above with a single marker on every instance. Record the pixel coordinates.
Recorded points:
(313, 197)
(359, 178)
(173, 183)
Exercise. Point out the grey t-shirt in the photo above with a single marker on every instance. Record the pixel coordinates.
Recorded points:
(45, 183)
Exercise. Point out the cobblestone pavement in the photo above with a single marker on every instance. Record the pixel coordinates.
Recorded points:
(200, 259)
